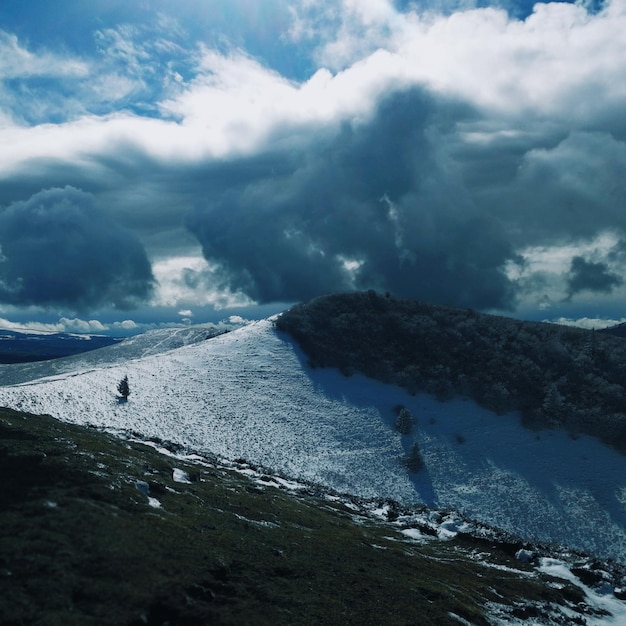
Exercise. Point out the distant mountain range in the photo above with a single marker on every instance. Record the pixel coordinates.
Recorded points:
(23, 347)
(137, 346)
(619, 330)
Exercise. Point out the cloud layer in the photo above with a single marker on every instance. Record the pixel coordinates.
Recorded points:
(470, 157)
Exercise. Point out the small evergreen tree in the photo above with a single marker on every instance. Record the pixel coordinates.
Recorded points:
(553, 405)
(414, 461)
(123, 388)
(404, 421)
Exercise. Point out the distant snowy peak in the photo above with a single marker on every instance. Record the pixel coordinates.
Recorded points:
(165, 339)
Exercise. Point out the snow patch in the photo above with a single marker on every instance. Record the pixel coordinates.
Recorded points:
(414, 534)
(180, 476)
(600, 599)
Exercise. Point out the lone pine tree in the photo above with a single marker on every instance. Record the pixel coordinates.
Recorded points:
(123, 388)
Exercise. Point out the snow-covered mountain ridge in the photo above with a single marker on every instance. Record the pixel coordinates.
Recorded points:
(151, 342)
(250, 394)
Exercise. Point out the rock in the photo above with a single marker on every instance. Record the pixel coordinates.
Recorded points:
(525, 556)
(142, 486)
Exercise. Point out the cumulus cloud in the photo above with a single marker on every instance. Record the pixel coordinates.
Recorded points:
(126, 325)
(58, 249)
(561, 59)
(64, 325)
(77, 325)
(237, 320)
(374, 206)
(189, 278)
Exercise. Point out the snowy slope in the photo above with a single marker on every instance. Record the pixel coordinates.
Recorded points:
(250, 394)
(151, 342)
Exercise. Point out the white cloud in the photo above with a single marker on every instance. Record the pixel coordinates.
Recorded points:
(136, 63)
(231, 103)
(22, 66)
(560, 62)
(189, 279)
(76, 325)
(35, 327)
(126, 325)
(17, 61)
(119, 44)
(64, 325)
(237, 319)
(587, 322)
(234, 107)
(112, 87)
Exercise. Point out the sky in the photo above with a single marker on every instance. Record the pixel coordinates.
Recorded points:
(190, 161)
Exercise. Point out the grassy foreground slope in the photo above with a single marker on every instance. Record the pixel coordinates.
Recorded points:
(555, 375)
(95, 529)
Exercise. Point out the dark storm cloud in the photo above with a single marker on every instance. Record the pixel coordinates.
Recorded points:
(572, 188)
(404, 201)
(617, 254)
(409, 201)
(57, 249)
(376, 206)
(586, 275)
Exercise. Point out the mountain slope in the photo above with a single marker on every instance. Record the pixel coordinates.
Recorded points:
(251, 394)
(151, 342)
(100, 530)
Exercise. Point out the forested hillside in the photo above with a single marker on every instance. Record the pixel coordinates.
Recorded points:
(555, 375)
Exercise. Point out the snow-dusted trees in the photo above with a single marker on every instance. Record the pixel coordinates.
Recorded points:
(123, 388)
(552, 406)
(554, 375)
(404, 420)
